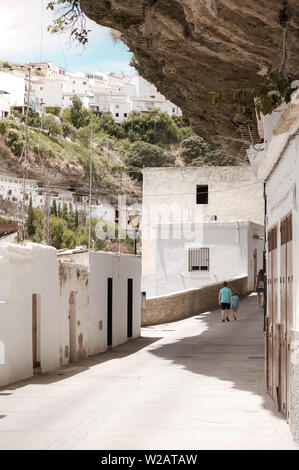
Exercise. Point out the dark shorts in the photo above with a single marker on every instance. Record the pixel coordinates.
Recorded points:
(260, 289)
(225, 306)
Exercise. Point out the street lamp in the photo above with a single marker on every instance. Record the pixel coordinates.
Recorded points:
(135, 222)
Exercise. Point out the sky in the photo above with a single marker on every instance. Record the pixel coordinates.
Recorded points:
(24, 38)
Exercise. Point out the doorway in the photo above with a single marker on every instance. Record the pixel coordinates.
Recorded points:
(72, 326)
(35, 335)
(109, 311)
(130, 307)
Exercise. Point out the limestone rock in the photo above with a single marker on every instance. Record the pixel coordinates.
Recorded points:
(192, 48)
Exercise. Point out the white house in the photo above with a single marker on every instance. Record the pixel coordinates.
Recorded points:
(13, 85)
(4, 104)
(193, 219)
(277, 163)
(64, 309)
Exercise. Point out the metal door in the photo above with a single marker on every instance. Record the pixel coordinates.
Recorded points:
(35, 361)
(109, 311)
(130, 307)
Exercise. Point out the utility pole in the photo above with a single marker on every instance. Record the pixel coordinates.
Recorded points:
(25, 153)
(90, 180)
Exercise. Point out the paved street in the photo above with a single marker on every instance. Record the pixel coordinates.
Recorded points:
(193, 384)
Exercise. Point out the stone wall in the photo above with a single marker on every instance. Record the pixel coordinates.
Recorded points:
(185, 304)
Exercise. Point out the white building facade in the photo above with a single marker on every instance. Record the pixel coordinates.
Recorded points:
(199, 226)
(103, 92)
(64, 309)
(277, 163)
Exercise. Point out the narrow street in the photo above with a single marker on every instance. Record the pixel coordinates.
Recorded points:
(193, 384)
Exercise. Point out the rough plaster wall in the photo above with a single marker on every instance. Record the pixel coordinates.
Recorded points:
(33, 269)
(73, 280)
(175, 307)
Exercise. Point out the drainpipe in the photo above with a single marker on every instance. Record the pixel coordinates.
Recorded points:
(264, 257)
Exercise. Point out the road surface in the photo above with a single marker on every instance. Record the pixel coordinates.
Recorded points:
(193, 384)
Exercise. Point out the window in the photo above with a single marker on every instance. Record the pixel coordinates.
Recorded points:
(117, 106)
(202, 194)
(117, 114)
(125, 114)
(198, 259)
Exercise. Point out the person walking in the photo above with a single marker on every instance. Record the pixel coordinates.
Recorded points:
(225, 300)
(260, 286)
(235, 305)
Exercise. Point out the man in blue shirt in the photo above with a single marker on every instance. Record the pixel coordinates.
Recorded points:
(225, 299)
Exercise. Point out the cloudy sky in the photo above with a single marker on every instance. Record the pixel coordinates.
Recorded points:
(24, 38)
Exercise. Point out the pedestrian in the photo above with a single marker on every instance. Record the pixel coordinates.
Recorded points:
(235, 305)
(260, 286)
(225, 300)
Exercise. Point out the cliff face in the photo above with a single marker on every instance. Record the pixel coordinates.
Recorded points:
(192, 48)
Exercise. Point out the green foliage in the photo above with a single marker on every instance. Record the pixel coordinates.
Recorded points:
(68, 130)
(68, 239)
(142, 154)
(272, 92)
(274, 89)
(57, 228)
(71, 20)
(15, 141)
(105, 124)
(30, 219)
(55, 110)
(154, 127)
(77, 114)
(196, 151)
(54, 208)
(218, 98)
(52, 125)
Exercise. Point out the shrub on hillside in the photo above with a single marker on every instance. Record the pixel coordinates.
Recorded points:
(196, 151)
(142, 154)
(52, 125)
(14, 141)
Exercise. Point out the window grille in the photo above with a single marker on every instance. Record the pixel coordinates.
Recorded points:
(199, 259)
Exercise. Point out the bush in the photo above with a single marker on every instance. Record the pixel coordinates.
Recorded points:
(52, 125)
(142, 154)
(154, 127)
(4, 126)
(15, 142)
(196, 151)
(68, 130)
(55, 110)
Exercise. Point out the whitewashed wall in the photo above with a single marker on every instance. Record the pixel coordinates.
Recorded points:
(73, 288)
(28, 270)
(34, 269)
(231, 246)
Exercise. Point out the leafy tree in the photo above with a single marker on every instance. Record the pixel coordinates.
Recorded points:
(105, 124)
(142, 154)
(64, 213)
(76, 218)
(67, 129)
(55, 110)
(196, 151)
(68, 239)
(53, 126)
(30, 219)
(78, 115)
(15, 141)
(54, 208)
(154, 127)
(57, 228)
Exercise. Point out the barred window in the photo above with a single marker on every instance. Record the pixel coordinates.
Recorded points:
(199, 259)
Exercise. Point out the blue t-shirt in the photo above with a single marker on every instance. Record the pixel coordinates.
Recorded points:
(225, 295)
(235, 302)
